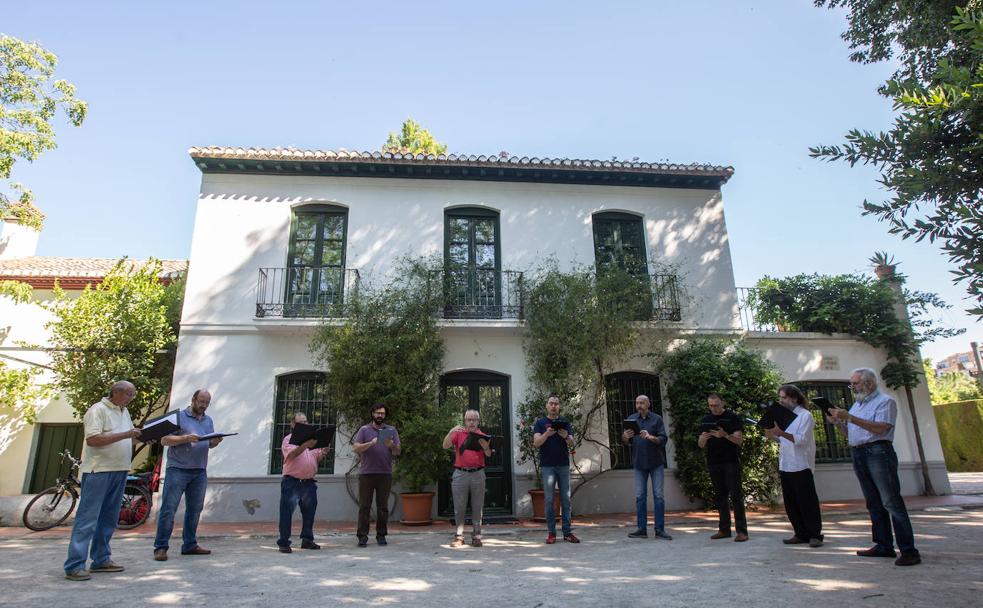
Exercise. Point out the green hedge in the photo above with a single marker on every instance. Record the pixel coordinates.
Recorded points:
(961, 433)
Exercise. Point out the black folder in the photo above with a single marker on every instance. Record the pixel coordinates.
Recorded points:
(471, 443)
(385, 434)
(775, 413)
(709, 427)
(162, 426)
(304, 432)
(632, 425)
(560, 423)
(824, 404)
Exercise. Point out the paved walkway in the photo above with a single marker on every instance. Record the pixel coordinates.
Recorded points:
(515, 568)
(966, 483)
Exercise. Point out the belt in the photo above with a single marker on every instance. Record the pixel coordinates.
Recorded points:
(469, 470)
(879, 441)
(299, 479)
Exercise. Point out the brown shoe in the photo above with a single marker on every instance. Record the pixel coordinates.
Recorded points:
(740, 538)
(457, 542)
(160, 555)
(475, 541)
(720, 534)
(107, 566)
(197, 550)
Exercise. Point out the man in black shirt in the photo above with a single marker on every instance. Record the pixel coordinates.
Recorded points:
(724, 464)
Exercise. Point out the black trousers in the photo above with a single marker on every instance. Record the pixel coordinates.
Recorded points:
(368, 484)
(802, 504)
(726, 478)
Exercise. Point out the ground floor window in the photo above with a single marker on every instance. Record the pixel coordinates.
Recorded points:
(831, 445)
(300, 392)
(621, 390)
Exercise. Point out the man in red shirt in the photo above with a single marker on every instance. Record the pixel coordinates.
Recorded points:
(299, 486)
(469, 475)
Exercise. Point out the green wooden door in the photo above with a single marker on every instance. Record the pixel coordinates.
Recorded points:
(489, 394)
(54, 438)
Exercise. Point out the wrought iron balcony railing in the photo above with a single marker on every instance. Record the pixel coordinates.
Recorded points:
(481, 293)
(745, 304)
(304, 291)
(665, 298)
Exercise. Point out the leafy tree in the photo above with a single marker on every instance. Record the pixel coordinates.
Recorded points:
(950, 387)
(20, 392)
(29, 100)
(744, 379)
(413, 139)
(932, 158)
(124, 328)
(388, 349)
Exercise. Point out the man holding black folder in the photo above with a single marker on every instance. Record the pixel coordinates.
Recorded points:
(299, 486)
(187, 461)
(648, 451)
(554, 438)
(376, 443)
(721, 433)
(471, 447)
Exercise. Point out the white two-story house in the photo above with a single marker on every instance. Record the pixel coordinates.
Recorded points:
(280, 235)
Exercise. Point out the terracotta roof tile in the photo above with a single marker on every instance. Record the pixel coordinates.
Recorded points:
(38, 266)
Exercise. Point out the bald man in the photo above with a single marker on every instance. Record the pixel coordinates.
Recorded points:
(106, 458)
(187, 460)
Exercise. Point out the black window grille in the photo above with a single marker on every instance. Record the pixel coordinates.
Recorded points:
(300, 392)
(621, 390)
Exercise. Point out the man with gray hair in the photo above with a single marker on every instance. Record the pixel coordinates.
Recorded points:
(869, 428)
(106, 458)
(469, 475)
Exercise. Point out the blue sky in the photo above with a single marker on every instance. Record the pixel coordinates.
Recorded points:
(750, 84)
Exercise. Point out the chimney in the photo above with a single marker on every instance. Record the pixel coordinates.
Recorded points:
(17, 240)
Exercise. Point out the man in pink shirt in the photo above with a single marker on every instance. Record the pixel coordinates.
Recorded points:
(299, 486)
(469, 475)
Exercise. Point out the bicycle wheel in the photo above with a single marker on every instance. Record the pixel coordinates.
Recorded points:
(49, 508)
(135, 508)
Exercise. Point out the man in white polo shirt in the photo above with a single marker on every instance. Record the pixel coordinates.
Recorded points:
(106, 459)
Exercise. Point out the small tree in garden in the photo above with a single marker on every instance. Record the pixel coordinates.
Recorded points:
(745, 379)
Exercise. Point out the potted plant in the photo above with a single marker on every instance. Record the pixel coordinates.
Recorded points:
(423, 462)
(884, 264)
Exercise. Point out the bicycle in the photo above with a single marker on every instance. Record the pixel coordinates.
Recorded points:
(54, 505)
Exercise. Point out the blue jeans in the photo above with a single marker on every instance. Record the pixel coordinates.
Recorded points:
(876, 466)
(658, 475)
(95, 519)
(292, 492)
(552, 477)
(192, 484)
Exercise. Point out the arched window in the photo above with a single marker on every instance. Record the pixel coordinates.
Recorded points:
(300, 392)
(619, 240)
(621, 390)
(316, 260)
(472, 263)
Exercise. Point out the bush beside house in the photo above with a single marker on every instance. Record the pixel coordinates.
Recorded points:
(961, 433)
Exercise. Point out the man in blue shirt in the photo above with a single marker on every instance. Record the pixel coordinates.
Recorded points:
(187, 459)
(869, 427)
(648, 455)
(554, 438)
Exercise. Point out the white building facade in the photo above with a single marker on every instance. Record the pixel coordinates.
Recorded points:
(281, 235)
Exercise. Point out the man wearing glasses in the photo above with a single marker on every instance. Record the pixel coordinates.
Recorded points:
(869, 427)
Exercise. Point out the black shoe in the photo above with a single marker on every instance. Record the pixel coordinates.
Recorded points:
(381, 540)
(639, 534)
(794, 540)
(662, 534)
(908, 559)
(363, 541)
(309, 544)
(286, 549)
(876, 552)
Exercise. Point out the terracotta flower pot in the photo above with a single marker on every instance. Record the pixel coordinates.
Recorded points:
(417, 507)
(539, 506)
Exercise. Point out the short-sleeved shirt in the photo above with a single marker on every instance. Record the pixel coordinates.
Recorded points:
(466, 459)
(721, 450)
(377, 459)
(876, 407)
(302, 466)
(554, 451)
(645, 454)
(190, 455)
(801, 454)
(107, 417)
